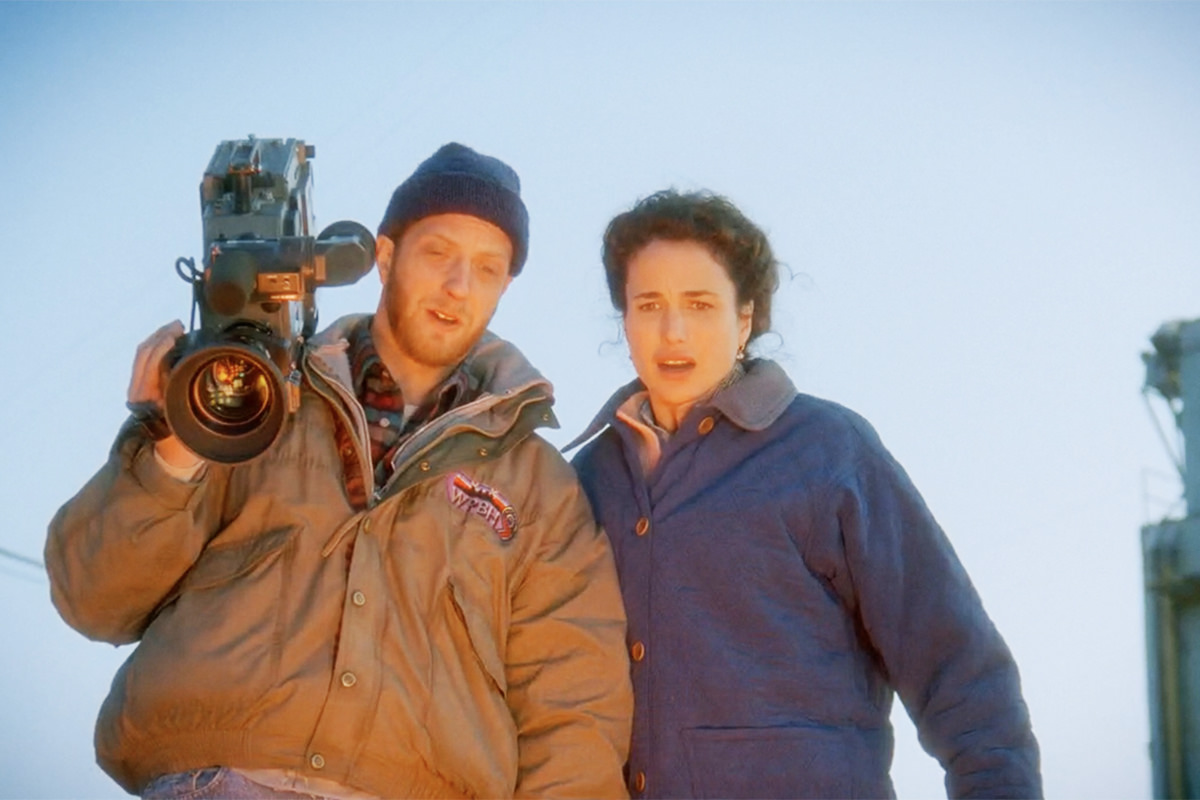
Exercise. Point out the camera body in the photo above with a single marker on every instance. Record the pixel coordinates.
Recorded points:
(232, 381)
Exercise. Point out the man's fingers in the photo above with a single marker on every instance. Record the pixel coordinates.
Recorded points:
(145, 383)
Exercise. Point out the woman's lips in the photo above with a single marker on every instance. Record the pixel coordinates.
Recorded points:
(675, 366)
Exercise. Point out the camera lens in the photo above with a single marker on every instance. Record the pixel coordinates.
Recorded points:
(230, 395)
(225, 396)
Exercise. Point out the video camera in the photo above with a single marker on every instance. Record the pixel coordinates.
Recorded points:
(233, 380)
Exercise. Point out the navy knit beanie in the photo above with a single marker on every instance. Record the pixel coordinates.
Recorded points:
(457, 180)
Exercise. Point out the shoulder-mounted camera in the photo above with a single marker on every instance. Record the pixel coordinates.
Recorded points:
(233, 379)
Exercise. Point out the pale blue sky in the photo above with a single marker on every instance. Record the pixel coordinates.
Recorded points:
(987, 209)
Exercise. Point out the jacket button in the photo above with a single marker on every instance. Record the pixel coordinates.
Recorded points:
(643, 525)
(706, 425)
(424, 465)
(358, 598)
(317, 761)
(639, 782)
(349, 679)
(637, 652)
(483, 452)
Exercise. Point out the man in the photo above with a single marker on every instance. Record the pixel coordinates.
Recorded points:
(405, 596)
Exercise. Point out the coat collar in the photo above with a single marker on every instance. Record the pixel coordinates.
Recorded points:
(494, 366)
(752, 403)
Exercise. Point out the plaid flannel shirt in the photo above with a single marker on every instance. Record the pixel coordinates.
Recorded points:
(388, 424)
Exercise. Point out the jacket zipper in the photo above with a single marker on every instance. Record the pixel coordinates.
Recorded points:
(340, 408)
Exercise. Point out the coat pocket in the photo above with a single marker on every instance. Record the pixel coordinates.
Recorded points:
(220, 635)
(810, 761)
(221, 564)
(481, 636)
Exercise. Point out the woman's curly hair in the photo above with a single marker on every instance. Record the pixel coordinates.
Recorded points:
(708, 219)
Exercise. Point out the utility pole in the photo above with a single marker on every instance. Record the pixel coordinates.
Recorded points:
(1171, 560)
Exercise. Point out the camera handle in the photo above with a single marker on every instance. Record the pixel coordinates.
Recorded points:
(196, 278)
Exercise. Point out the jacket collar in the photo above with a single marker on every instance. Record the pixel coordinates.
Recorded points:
(494, 366)
(752, 403)
(514, 400)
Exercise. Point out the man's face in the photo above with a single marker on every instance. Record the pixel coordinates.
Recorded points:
(441, 285)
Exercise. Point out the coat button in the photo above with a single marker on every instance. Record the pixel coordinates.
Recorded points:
(639, 782)
(643, 525)
(349, 679)
(424, 466)
(706, 425)
(358, 598)
(638, 651)
(317, 761)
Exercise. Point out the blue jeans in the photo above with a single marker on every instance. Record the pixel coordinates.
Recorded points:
(215, 783)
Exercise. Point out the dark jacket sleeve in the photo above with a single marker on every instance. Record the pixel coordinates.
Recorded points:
(117, 548)
(919, 610)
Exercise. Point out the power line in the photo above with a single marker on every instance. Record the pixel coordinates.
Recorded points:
(23, 559)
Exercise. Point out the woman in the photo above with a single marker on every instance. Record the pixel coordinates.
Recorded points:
(781, 575)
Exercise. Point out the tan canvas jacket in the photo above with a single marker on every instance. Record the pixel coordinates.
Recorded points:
(433, 645)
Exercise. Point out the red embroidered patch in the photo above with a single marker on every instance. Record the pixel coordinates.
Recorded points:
(483, 501)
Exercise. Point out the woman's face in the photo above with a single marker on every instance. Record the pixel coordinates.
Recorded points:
(683, 324)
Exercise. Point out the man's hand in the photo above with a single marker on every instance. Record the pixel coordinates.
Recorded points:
(146, 386)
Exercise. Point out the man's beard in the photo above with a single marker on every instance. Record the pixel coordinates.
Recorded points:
(422, 349)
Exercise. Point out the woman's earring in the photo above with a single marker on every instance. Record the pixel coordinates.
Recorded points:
(741, 353)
